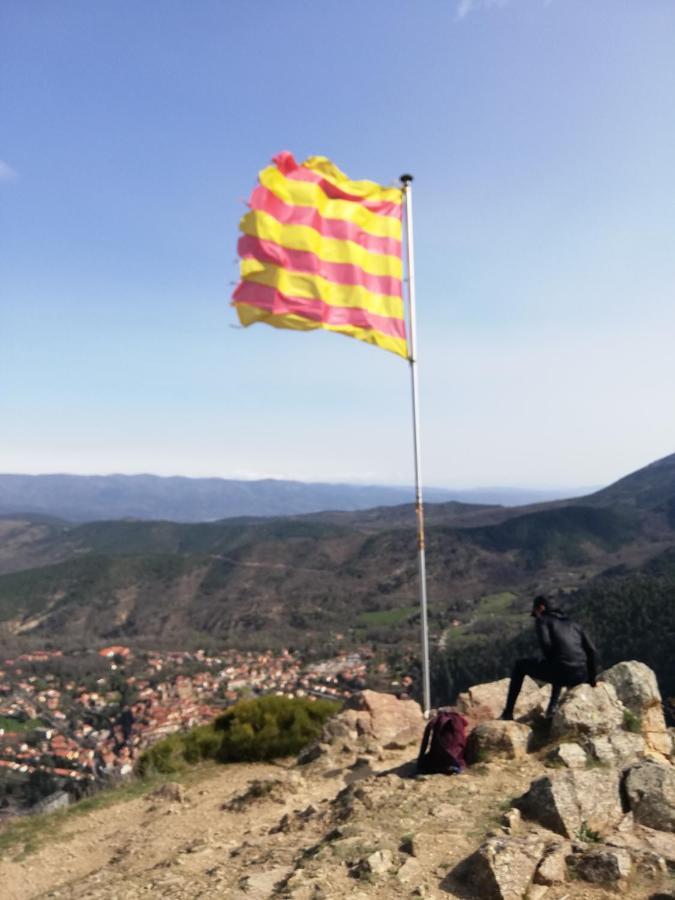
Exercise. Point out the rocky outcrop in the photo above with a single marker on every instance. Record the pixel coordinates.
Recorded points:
(650, 791)
(569, 802)
(587, 711)
(370, 724)
(498, 740)
(636, 687)
(502, 868)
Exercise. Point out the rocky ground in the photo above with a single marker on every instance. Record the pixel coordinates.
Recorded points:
(583, 810)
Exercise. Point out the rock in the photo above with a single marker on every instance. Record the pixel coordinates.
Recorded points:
(502, 868)
(570, 755)
(655, 733)
(410, 871)
(565, 802)
(385, 719)
(260, 885)
(553, 867)
(653, 851)
(605, 865)
(616, 749)
(601, 750)
(512, 820)
(52, 803)
(171, 791)
(650, 791)
(627, 746)
(585, 710)
(497, 740)
(537, 892)
(312, 752)
(378, 863)
(636, 687)
(487, 701)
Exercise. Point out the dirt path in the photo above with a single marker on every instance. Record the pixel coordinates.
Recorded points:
(307, 829)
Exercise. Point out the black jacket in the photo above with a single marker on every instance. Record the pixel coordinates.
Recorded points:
(566, 646)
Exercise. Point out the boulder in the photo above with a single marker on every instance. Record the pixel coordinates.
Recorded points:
(569, 755)
(604, 865)
(567, 802)
(636, 687)
(627, 746)
(391, 722)
(585, 710)
(487, 701)
(650, 791)
(497, 740)
(618, 748)
(502, 868)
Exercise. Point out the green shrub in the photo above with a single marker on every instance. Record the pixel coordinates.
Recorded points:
(259, 729)
(163, 758)
(270, 727)
(588, 835)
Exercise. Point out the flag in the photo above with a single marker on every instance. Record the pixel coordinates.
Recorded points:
(321, 251)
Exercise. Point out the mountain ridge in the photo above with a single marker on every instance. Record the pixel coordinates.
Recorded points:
(80, 498)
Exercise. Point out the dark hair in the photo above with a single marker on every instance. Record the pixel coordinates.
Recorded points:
(540, 601)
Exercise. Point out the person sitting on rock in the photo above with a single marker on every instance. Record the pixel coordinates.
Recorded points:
(569, 656)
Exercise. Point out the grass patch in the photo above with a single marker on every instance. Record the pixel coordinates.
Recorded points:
(383, 617)
(500, 604)
(587, 835)
(632, 722)
(9, 724)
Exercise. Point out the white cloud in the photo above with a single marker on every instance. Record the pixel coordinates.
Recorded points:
(7, 173)
(464, 7)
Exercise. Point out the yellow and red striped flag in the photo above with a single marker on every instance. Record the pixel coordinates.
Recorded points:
(321, 251)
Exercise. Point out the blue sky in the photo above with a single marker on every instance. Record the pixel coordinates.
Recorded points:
(542, 139)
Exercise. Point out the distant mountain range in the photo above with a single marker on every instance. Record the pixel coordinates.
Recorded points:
(306, 579)
(90, 498)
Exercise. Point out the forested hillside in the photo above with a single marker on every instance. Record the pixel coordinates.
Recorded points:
(629, 614)
(342, 580)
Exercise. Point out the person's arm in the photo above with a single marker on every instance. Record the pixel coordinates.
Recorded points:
(591, 657)
(544, 637)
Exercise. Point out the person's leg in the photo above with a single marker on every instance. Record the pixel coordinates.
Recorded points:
(538, 669)
(556, 688)
(569, 680)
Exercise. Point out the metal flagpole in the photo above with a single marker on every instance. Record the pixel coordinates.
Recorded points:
(406, 181)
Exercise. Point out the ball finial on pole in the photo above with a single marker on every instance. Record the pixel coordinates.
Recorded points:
(406, 179)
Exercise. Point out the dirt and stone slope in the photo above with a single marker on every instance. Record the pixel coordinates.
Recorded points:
(586, 810)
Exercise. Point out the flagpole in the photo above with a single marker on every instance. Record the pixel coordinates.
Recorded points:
(406, 181)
